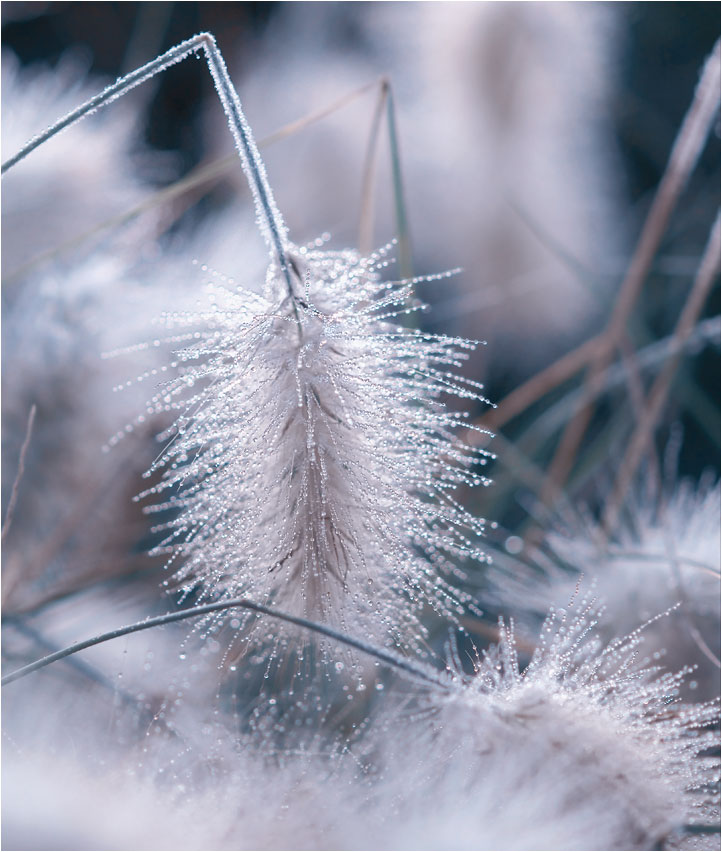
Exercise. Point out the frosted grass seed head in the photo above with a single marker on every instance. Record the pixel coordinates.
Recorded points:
(585, 748)
(313, 462)
(664, 553)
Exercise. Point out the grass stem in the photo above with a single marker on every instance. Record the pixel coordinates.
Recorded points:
(423, 673)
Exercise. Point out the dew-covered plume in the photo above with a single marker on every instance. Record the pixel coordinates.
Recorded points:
(313, 463)
(584, 748)
(665, 553)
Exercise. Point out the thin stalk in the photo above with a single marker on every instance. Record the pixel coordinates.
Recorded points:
(682, 160)
(270, 221)
(207, 173)
(21, 470)
(533, 389)
(80, 666)
(426, 674)
(269, 217)
(366, 219)
(660, 389)
(533, 438)
(586, 277)
(554, 417)
(402, 224)
(310, 118)
(635, 388)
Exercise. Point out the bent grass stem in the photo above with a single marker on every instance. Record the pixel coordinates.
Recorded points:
(270, 220)
(426, 674)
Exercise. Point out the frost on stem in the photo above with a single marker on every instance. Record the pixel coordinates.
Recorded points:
(313, 463)
(269, 218)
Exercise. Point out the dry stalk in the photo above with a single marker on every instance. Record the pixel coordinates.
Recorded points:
(366, 218)
(683, 158)
(658, 394)
(583, 273)
(635, 386)
(535, 388)
(204, 174)
(418, 670)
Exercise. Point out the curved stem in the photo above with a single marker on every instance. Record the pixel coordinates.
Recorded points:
(270, 220)
(423, 673)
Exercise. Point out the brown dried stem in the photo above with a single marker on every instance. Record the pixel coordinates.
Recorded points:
(683, 158)
(538, 386)
(635, 386)
(658, 394)
(584, 274)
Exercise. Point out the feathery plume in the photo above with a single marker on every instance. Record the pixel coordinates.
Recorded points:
(665, 554)
(585, 748)
(313, 462)
(297, 480)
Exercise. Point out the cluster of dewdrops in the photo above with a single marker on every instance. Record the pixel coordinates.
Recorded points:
(313, 463)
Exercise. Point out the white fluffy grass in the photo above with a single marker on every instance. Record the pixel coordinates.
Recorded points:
(313, 464)
(665, 554)
(584, 749)
(314, 456)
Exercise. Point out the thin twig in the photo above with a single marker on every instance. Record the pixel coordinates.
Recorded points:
(366, 218)
(423, 673)
(635, 387)
(523, 469)
(584, 275)
(301, 123)
(683, 158)
(557, 414)
(402, 225)
(21, 470)
(80, 666)
(658, 394)
(582, 272)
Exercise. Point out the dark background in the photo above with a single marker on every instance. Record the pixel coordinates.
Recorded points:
(666, 46)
